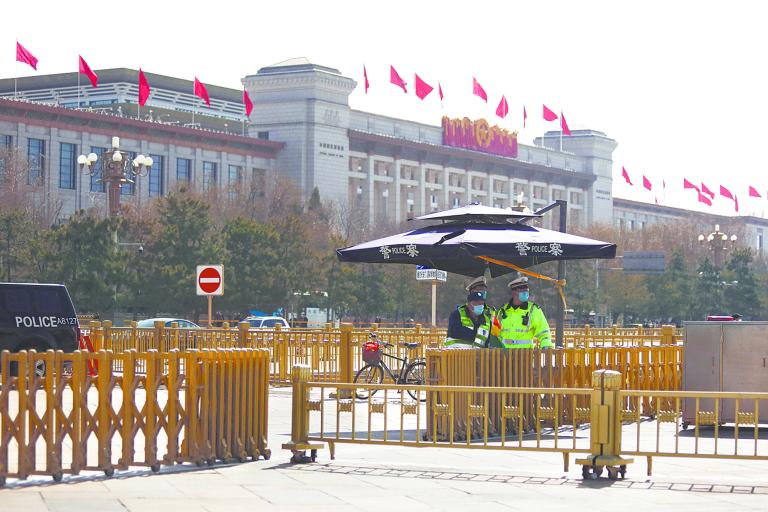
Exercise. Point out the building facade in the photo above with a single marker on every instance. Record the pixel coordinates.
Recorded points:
(383, 169)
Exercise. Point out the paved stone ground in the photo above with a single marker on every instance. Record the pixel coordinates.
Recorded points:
(399, 478)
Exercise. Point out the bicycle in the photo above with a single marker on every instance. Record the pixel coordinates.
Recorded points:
(412, 373)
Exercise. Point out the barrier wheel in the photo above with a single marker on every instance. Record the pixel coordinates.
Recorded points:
(210, 462)
(597, 471)
(199, 463)
(613, 473)
(685, 425)
(58, 476)
(2, 481)
(313, 455)
(585, 472)
(109, 472)
(623, 471)
(155, 467)
(267, 454)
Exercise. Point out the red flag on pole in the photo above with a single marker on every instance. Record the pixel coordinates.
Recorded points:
(548, 114)
(753, 192)
(365, 76)
(86, 70)
(725, 192)
(422, 88)
(395, 79)
(143, 88)
(704, 199)
(248, 103)
(440, 91)
(564, 125)
(478, 90)
(23, 55)
(525, 116)
(705, 190)
(688, 184)
(503, 109)
(625, 175)
(201, 92)
(647, 183)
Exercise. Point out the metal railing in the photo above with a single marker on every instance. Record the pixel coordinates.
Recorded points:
(71, 419)
(602, 421)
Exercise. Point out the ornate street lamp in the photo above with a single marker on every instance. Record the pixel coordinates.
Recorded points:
(718, 243)
(115, 171)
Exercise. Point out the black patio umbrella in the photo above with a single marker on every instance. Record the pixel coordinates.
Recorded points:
(458, 246)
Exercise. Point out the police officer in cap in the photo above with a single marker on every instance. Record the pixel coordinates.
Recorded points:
(469, 325)
(522, 320)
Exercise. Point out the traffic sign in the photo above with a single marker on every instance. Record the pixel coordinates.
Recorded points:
(210, 280)
(430, 274)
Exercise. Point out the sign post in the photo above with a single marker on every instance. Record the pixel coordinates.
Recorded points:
(430, 274)
(210, 282)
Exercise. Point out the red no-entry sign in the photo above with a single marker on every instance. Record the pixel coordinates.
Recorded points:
(210, 280)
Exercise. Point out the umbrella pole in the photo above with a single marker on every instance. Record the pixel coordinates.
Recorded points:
(560, 318)
(434, 303)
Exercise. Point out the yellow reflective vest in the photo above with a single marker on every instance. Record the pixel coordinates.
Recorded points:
(482, 332)
(521, 324)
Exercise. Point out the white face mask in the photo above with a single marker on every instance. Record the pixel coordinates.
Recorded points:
(478, 310)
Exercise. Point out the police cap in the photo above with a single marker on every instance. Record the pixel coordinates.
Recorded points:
(478, 281)
(520, 282)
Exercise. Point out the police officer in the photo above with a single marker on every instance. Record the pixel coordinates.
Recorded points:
(469, 325)
(522, 320)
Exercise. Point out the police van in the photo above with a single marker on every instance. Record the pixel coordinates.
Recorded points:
(37, 316)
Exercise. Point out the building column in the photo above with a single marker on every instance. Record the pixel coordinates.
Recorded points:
(446, 186)
(398, 211)
(422, 189)
(371, 190)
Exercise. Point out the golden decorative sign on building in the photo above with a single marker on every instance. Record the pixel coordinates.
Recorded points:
(479, 135)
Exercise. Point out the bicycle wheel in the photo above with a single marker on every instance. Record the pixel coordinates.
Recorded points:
(368, 374)
(416, 375)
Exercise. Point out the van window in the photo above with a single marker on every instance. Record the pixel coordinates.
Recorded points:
(268, 322)
(48, 302)
(17, 300)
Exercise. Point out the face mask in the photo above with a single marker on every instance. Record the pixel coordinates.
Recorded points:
(478, 310)
(523, 296)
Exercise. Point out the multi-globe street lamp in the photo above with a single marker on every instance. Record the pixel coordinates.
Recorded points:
(718, 243)
(116, 170)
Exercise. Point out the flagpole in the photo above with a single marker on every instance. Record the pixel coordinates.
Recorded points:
(194, 105)
(78, 90)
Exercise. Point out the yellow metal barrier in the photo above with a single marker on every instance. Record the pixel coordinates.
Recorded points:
(648, 360)
(68, 421)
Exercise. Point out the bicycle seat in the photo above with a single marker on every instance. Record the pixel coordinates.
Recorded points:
(410, 345)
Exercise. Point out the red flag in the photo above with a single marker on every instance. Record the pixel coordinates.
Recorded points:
(440, 91)
(395, 79)
(503, 109)
(725, 192)
(548, 114)
(753, 192)
(201, 92)
(143, 88)
(248, 103)
(525, 116)
(688, 184)
(422, 88)
(365, 76)
(564, 125)
(706, 190)
(86, 70)
(478, 90)
(704, 199)
(23, 55)
(736, 203)
(647, 183)
(625, 175)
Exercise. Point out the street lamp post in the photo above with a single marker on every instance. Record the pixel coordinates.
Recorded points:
(115, 171)
(718, 243)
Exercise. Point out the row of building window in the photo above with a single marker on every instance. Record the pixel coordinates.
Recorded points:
(68, 168)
